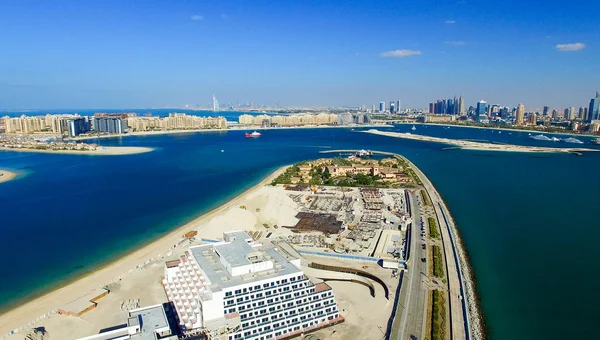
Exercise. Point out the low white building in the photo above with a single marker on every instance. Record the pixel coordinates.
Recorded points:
(238, 289)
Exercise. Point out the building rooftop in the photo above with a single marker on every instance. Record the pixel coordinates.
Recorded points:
(151, 320)
(239, 251)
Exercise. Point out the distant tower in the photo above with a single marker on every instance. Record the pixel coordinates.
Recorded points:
(398, 107)
(215, 104)
(461, 106)
(593, 111)
(381, 106)
(520, 114)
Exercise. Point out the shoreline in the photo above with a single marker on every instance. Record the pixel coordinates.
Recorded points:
(6, 175)
(27, 311)
(236, 128)
(102, 151)
(509, 129)
(475, 321)
(480, 146)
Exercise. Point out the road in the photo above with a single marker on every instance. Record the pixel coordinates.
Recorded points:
(411, 303)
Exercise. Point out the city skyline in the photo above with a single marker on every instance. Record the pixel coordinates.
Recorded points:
(119, 55)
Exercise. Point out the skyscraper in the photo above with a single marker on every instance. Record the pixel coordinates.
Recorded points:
(546, 110)
(482, 107)
(381, 106)
(594, 108)
(520, 114)
(392, 107)
(461, 105)
(431, 107)
(398, 107)
(583, 112)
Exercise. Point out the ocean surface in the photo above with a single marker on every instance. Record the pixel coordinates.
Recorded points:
(528, 220)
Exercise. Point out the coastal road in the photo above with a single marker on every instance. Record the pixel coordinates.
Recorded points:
(458, 326)
(411, 303)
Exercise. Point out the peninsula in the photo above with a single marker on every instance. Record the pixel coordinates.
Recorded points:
(6, 175)
(470, 145)
(96, 150)
(370, 238)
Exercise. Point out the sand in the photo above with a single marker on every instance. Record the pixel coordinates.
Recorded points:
(102, 151)
(6, 175)
(211, 224)
(469, 145)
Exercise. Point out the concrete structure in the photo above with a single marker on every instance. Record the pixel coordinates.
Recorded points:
(112, 125)
(146, 323)
(238, 289)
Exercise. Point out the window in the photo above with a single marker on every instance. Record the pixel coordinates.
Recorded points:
(228, 294)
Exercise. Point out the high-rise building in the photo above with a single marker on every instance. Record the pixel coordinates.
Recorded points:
(114, 125)
(461, 105)
(481, 107)
(392, 107)
(77, 126)
(381, 106)
(520, 114)
(555, 114)
(398, 106)
(532, 118)
(215, 104)
(239, 289)
(570, 113)
(593, 111)
(583, 111)
(546, 111)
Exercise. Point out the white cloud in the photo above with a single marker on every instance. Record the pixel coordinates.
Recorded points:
(570, 47)
(450, 22)
(400, 53)
(196, 17)
(454, 43)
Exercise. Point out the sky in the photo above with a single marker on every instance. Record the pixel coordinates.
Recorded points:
(141, 54)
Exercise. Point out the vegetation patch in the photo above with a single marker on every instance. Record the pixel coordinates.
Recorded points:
(438, 315)
(438, 261)
(434, 231)
(425, 198)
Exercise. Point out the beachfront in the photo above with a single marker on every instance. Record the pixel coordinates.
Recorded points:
(261, 211)
(470, 145)
(100, 151)
(233, 128)
(6, 175)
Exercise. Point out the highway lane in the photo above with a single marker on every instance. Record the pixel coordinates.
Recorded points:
(412, 300)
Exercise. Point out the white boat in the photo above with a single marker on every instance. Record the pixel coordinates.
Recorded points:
(554, 139)
(413, 128)
(540, 137)
(573, 140)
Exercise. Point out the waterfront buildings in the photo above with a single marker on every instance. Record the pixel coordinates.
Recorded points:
(438, 118)
(176, 121)
(57, 124)
(454, 106)
(594, 109)
(291, 120)
(520, 115)
(110, 125)
(239, 289)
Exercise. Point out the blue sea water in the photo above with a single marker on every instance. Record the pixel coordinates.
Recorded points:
(528, 220)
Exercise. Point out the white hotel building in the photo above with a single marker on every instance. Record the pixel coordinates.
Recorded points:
(238, 289)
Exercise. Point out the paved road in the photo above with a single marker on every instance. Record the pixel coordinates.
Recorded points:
(411, 305)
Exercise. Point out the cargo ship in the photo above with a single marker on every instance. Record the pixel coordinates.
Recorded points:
(253, 134)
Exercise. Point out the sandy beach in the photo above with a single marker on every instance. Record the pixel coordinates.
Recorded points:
(6, 175)
(236, 128)
(102, 151)
(23, 314)
(469, 145)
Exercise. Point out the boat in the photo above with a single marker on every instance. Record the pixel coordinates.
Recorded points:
(596, 141)
(413, 128)
(253, 134)
(573, 140)
(540, 137)
(554, 139)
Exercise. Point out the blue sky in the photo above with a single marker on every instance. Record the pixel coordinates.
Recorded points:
(133, 54)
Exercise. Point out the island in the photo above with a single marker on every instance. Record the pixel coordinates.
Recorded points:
(6, 175)
(344, 248)
(471, 145)
(26, 143)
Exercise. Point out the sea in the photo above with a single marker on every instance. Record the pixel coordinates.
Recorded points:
(528, 220)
